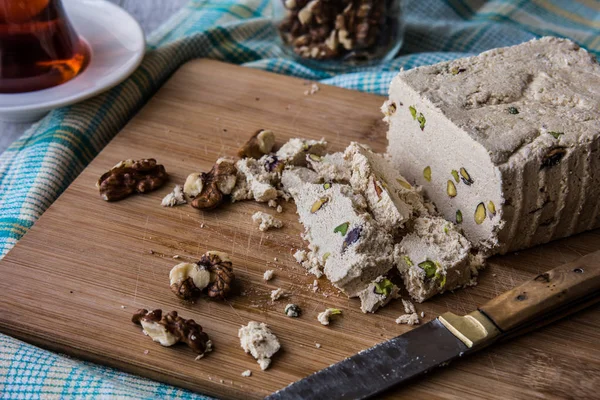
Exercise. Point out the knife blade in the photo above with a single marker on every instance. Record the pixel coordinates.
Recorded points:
(380, 367)
(546, 298)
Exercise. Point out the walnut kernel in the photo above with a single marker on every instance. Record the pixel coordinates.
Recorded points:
(193, 184)
(130, 176)
(259, 144)
(221, 273)
(170, 329)
(187, 280)
(217, 183)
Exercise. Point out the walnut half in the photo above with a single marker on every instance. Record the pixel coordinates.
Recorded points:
(170, 329)
(213, 272)
(130, 176)
(220, 267)
(187, 280)
(258, 145)
(208, 190)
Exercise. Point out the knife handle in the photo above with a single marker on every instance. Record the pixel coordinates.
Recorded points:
(560, 288)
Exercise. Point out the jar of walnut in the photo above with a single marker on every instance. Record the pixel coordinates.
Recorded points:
(330, 32)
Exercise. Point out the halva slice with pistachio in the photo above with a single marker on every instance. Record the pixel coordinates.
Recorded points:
(391, 199)
(378, 294)
(344, 240)
(435, 257)
(504, 143)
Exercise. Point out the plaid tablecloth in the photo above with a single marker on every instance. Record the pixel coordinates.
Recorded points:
(41, 164)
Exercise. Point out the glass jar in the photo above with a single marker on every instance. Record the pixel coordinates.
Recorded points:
(339, 32)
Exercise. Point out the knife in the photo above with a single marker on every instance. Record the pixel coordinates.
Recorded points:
(548, 297)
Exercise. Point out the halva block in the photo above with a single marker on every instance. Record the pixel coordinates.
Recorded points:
(505, 143)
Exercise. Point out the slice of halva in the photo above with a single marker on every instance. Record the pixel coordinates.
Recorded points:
(378, 294)
(435, 257)
(391, 199)
(344, 239)
(504, 143)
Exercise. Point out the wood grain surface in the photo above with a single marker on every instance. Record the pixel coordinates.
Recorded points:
(72, 283)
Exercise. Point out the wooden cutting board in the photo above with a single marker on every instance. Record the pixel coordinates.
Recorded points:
(72, 283)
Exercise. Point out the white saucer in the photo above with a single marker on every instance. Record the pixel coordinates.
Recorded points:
(117, 46)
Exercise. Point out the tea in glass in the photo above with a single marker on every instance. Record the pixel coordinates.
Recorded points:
(38, 46)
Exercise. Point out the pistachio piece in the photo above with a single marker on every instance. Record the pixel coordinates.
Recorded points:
(512, 110)
(273, 164)
(480, 213)
(318, 204)
(388, 108)
(553, 157)
(326, 256)
(384, 287)
(451, 189)
(325, 316)
(408, 261)
(391, 108)
(555, 134)
(378, 189)
(458, 217)
(413, 112)
(315, 157)
(352, 237)
(292, 310)
(457, 70)
(429, 267)
(466, 178)
(404, 184)
(455, 175)
(421, 120)
(440, 277)
(343, 228)
(446, 229)
(491, 207)
(427, 173)
(327, 185)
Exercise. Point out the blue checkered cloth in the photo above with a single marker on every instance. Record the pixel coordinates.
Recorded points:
(42, 163)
